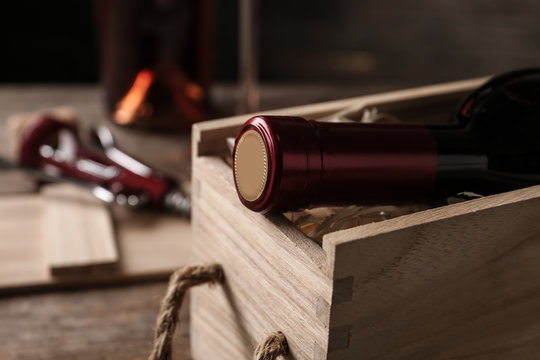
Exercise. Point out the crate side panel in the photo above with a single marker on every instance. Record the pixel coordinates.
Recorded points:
(271, 284)
(465, 286)
(216, 174)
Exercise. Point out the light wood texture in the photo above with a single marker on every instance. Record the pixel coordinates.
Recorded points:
(78, 234)
(273, 275)
(459, 281)
(149, 246)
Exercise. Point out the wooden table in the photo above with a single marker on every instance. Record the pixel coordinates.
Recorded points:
(102, 323)
(110, 322)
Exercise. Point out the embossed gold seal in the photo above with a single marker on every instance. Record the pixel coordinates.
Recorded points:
(251, 165)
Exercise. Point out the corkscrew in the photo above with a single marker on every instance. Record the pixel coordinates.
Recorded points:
(54, 148)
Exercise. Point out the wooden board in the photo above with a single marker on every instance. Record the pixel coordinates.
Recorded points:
(77, 233)
(150, 246)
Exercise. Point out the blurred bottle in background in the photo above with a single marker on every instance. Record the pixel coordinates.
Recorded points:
(156, 61)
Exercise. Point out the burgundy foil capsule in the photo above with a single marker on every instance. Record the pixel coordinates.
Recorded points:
(286, 163)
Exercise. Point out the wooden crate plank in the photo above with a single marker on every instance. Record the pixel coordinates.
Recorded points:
(459, 281)
(273, 282)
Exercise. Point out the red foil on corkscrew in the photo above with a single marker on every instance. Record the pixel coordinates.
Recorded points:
(309, 163)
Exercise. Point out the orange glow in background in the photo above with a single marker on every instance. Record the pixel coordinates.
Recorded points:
(128, 107)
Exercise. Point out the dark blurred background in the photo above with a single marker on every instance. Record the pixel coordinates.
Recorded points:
(349, 42)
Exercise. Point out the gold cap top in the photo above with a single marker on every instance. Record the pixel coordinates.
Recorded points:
(251, 165)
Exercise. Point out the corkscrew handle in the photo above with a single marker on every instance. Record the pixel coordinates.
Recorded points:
(54, 147)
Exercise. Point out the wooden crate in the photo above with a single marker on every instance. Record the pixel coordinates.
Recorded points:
(459, 281)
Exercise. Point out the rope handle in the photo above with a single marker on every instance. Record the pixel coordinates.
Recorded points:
(179, 283)
(274, 346)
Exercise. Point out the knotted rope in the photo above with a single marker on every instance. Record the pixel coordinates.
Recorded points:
(273, 347)
(181, 280)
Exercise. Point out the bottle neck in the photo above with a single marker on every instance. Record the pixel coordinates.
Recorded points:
(468, 159)
(458, 150)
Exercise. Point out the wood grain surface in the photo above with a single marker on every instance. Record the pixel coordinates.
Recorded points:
(273, 275)
(103, 323)
(77, 230)
(460, 281)
(150, 246)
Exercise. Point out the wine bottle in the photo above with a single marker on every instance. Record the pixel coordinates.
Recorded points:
(283, 163)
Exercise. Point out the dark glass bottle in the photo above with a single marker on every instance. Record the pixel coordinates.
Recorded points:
(287, 163)
(156, 61)
(495, 143)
